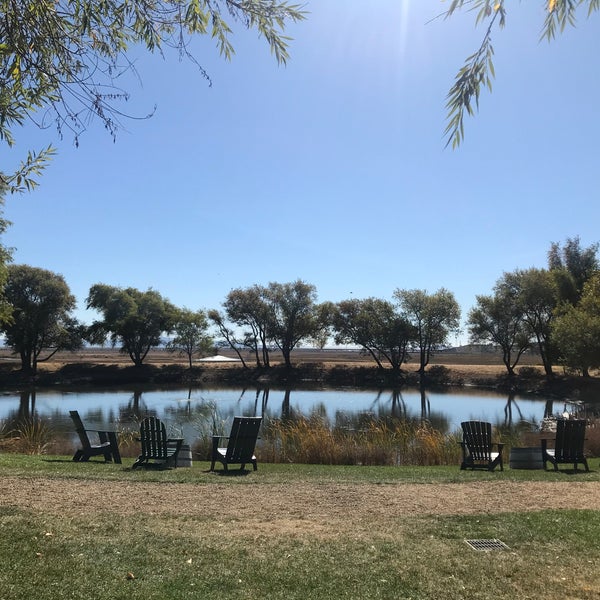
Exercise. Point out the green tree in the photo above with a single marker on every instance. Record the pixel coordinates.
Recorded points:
(572, 266)
(377, 327)
(5, 258)
(499, 319)
(292, 315)
(434, 317)
(248, 308)
(228, 334)
(133, 318)
(576, 330)
(40, 320)
(478, 70)
(536, 294)
(191, 338)
(62, 60)
(322, 332)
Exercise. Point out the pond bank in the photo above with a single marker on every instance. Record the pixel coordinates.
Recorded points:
(79, 374)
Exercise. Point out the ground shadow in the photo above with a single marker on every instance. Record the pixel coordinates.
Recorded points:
(234, 473)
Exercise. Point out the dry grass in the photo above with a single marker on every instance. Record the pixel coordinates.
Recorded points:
(313, 440)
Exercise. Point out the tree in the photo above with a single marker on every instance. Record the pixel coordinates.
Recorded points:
(248, 307)
(133, 318)
(499, 319)
(5, 258)
(292, 315)
(228, 334)
(478, 70)
(576, 330)
(572, 266)
(375, 325)
(61, 60)
(434, 317)
(536, 294)
(190, 329)
(322, 332)
(40, 320)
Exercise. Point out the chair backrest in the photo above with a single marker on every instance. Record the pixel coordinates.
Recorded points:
(153, 437)
(79, 427)
(242, 439)
(477, 435)
(570, 437)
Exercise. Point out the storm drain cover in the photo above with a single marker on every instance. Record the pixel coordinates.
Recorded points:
(487, 544)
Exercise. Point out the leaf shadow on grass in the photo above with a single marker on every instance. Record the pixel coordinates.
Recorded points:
(571, 472)
(234, 473)
(74, 462)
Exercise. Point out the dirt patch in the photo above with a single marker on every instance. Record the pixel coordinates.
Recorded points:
(315, 509)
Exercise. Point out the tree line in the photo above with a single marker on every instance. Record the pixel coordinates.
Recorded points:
(554, 311)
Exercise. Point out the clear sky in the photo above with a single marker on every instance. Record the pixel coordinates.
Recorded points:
(332, 169)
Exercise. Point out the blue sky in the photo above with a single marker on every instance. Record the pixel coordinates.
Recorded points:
(332, 169)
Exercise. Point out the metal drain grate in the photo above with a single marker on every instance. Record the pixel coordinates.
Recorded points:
(484, 545)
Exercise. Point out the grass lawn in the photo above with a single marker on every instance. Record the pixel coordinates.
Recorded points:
(132, 547)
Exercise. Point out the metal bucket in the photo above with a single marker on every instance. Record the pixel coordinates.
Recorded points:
(526, 458)
(184, 458)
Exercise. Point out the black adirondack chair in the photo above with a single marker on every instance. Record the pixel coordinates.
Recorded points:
(157, 448)
(568, 444)
(477, 447)
(106, 447)
(241, 444)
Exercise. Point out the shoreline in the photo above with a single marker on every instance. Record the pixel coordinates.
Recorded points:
(311, 369)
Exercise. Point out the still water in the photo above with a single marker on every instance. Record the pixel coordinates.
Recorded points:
(188, 410)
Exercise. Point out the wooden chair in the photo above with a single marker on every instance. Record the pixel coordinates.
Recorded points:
(107, 447)
(156, 446)
(240, 448)
(568, 444)
(477, 447)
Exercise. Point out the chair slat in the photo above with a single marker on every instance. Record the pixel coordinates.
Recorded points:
(241, 444)
(477, 446)
(156, 446)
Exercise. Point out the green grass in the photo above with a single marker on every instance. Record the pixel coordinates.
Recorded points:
(553, 554)
(21, 465)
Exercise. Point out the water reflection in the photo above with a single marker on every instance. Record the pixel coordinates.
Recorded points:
(191, 407)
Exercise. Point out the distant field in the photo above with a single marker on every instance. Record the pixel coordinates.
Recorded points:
(469, 361)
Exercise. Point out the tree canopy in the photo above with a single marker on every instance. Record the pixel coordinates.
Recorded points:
(191, 337)
(133, 318)
(478, 70)
(40, 319)
(375, 325)
(292, 315)
(498, 319)
(248, 308)
(577, 329)
(5, 258)
(572, 266)
(434, 317)
(61, 60)
(535, 293)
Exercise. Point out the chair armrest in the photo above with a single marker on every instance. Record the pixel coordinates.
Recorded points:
(217, 438)
(500, 445)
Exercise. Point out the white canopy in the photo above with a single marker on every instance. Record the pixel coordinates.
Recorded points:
(218, 358)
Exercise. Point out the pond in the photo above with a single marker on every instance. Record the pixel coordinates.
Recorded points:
(191, 411)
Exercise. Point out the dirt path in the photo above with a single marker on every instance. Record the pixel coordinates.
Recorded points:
(305, 507)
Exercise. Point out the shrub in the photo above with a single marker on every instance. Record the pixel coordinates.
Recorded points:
(31, 436)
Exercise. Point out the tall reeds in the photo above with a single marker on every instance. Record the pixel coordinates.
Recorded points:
(389, 441)
(30, 435)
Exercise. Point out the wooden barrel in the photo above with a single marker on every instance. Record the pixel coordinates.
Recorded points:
(184, 458)
(526, 458)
